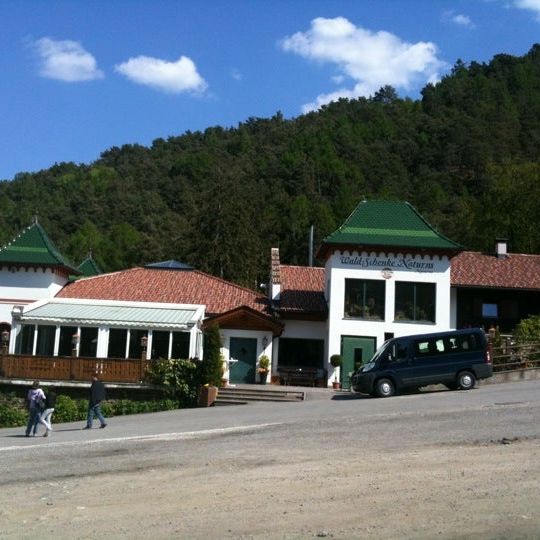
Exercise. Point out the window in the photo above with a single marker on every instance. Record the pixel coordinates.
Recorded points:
(45, 340)
(117, 343)
(397, 351)
(135, 347)
(300, 353)
(65, 345)
(180, 345)
(88, 343)
(490, 311)
(364, 299)
(447, 345)
(160, 344)
(24, 343)
(415, 302)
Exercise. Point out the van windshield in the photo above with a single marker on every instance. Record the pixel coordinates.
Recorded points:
(380, 351)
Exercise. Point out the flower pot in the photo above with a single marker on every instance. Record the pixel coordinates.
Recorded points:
(263, 376)
(207, 396)
(336, 385)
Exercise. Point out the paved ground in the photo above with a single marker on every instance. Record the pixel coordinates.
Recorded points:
(436, 464)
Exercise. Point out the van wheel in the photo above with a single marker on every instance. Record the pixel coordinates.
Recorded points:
(466, 380)
(384, 388)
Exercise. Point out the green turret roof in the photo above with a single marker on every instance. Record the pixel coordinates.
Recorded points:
(33, 247)
(387, 224)
(89, 267)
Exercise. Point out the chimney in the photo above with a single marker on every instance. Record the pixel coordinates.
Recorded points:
(501, 248)
(275, 275)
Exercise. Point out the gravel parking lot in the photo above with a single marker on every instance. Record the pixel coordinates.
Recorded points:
(446, 465)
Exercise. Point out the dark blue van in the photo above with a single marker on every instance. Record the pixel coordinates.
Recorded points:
(456, 359)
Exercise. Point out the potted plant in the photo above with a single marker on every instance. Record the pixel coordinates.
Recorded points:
(336, 360)
(264, 366)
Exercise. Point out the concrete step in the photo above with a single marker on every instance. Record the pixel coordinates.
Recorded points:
(229, 395)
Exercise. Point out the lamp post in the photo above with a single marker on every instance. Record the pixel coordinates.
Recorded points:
(144, 346)
(74, 344)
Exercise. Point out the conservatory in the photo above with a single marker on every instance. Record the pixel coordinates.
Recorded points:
(107, 329)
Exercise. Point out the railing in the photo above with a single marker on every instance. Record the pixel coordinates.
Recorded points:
(67, 368)
(510, 357)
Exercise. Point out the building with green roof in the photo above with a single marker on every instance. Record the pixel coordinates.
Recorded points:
(387, 273)
(384, 225)
(31, 268)
(89, 267)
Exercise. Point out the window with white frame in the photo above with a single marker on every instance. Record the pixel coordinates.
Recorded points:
(364, 299)
(415, 302)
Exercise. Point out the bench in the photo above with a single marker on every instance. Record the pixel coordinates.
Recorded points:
(302, 376)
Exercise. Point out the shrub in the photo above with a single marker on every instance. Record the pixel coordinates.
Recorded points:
(68, 410)
(179, 379)
(212, 363)
(528, 330)
(12, 411)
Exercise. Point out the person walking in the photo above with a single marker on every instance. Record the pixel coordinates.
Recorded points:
(46, 416)
(97, 395)
(34, 401)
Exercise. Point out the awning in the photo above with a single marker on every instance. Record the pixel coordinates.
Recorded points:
(125, 316)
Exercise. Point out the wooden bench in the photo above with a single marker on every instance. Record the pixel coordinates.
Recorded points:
(302, 376)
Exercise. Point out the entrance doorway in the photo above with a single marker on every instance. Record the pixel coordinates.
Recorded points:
(355, 351)
(243, 352)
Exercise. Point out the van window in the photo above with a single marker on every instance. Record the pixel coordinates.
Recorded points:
(448, 345)
(421, 348)
(439, 345)
(397, 351)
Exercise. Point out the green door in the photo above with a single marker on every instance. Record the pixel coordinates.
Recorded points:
(355, 351)
(243, 354)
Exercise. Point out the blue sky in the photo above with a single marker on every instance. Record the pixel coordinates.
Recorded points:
(77, 78)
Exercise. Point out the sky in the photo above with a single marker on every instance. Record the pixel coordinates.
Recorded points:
(80, 77)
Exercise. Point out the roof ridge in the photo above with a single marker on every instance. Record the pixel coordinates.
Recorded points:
(246, 289)
(87, 278)
(302, 266)
(430, 225)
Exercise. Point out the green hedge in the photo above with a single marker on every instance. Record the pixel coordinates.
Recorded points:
(13, 412)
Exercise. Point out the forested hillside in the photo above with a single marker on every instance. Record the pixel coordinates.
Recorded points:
(466, 155)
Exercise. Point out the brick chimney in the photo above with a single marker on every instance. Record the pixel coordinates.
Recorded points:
(275, 276)
(501, 248)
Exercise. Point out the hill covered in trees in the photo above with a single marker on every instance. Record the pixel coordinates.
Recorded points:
(466, 155)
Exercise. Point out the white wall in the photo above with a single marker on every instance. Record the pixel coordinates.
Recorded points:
(388, 267)
(19, 286)
(227, 334)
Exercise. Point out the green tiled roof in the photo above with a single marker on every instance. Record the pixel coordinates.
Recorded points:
(33, 247)
(89, 267)
(387, 223)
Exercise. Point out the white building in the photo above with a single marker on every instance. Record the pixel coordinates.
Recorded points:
(386, 273)
(31, 269)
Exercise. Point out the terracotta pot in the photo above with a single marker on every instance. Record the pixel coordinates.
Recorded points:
(207, 396)
(336, 385)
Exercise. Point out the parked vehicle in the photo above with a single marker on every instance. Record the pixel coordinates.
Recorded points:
(456, 359)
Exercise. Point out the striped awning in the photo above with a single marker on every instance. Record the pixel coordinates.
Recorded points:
(125, 316)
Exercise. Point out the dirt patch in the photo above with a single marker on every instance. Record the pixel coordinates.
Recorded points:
(451, 492)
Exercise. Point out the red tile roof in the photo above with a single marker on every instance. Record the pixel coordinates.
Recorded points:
(302, 290)
(516, 271)
(171, 286)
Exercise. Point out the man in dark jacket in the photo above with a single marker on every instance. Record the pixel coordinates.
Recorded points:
(97, 395)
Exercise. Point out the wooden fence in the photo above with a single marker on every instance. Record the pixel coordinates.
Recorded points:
(511, 357)
(67, 368)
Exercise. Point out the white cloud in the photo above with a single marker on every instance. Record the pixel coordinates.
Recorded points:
(369, 59)
(172, 77)
(66, 61)
(236, 74)
(462, 20)
(531, 5)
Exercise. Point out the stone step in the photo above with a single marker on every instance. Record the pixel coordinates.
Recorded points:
(229, 395)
